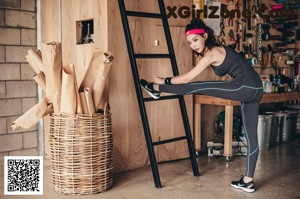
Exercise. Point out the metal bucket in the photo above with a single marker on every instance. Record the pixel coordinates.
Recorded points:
(277, 128)
(264, 131)
(296, 108)
(298, 123)
(289, 126)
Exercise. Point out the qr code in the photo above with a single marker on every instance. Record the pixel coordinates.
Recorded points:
(23, 175)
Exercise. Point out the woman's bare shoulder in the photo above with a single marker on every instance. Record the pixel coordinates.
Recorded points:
(217, 50)
(217, 54)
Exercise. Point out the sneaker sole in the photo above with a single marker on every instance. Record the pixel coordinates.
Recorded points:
(155, 97)
(244, 189)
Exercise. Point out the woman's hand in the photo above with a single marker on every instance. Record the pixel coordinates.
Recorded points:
(158, 80)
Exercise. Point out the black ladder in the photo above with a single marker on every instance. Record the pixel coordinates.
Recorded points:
(132, 56)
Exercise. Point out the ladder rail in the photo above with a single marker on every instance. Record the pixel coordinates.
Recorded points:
(139, 94)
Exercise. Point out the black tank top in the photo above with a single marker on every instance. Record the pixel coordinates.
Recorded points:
(238, 68)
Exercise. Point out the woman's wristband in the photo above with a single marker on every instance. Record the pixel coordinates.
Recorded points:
(168, 80)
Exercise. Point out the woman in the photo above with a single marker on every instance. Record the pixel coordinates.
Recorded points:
(245, 87)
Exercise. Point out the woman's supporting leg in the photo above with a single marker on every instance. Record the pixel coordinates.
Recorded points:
(250, 111)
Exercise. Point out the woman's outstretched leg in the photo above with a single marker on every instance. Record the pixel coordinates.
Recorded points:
(223, 89)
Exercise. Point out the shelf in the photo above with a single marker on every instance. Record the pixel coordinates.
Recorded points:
(269, 67)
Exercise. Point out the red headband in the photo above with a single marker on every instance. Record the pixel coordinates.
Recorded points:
(195, 31)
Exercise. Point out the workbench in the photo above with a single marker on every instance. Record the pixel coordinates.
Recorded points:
(200, 100)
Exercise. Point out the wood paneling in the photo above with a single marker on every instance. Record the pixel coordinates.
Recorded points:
(77, 10)
(129, 143)
(164, 117)
(50, 31)
(50, 21)
(172, 111)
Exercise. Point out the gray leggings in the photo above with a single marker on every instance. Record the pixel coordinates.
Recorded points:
(249, 96)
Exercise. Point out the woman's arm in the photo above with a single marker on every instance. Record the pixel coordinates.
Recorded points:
(189, 76)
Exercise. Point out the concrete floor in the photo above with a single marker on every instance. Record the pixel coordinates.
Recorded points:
(277, 176)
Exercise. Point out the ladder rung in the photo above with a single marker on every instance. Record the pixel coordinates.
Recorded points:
(143, 14)
(169, 140)
(151, 56)
(150, 99)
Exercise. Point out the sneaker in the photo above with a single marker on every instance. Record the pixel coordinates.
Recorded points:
(148, 87)
(248, 187)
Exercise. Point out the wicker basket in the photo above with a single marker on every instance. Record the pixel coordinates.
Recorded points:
(81, 153)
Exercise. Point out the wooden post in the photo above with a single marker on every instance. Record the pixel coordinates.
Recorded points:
(228, 131)
(197, 127)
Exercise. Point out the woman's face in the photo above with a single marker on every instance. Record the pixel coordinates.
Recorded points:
(197, 42)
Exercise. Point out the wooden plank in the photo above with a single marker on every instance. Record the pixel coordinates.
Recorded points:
(50, 31)
(228, 131)
(267, 98)
(197, 127)
(280, 97)
(205, 99)
(50, 22)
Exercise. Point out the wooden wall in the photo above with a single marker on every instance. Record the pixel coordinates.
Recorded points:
(50, 21)
(165, 119)
(81, 54)
(164, 116)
